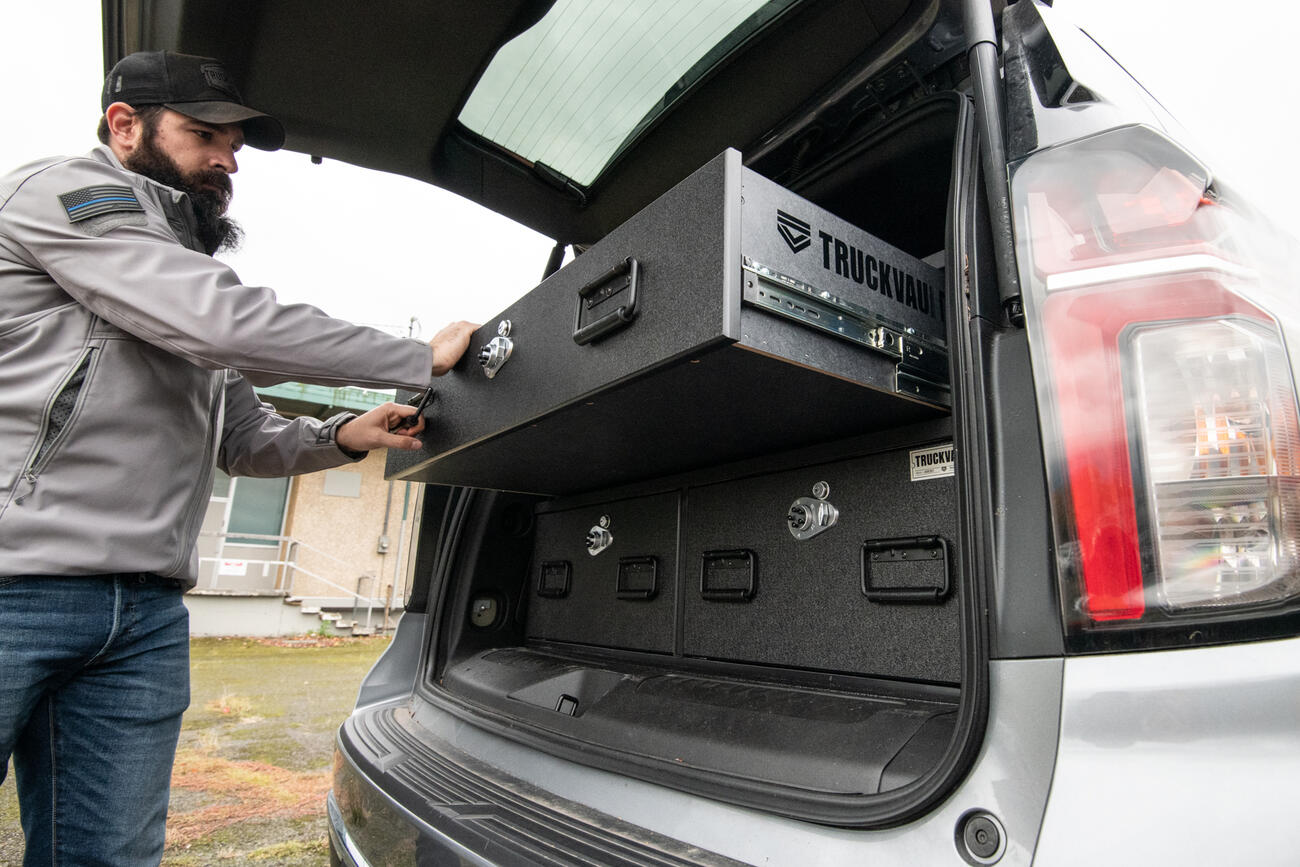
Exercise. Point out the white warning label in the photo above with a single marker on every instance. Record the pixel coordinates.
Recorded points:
(936, 462)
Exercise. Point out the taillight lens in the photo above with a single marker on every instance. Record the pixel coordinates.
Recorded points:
(1216, 429)
(1166, 394)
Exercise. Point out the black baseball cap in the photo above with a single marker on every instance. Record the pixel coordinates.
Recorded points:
(197, 87)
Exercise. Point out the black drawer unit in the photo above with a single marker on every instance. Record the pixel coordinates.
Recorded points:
(729, 318)
(873, 592)
(607, 575)
(843, 566)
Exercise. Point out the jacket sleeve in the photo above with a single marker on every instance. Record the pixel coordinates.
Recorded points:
(141, 278)
(256, 441)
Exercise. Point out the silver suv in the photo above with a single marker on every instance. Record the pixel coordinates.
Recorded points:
(905, 469)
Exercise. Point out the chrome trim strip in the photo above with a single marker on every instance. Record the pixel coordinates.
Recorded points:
(347, 850)
(1147, 268)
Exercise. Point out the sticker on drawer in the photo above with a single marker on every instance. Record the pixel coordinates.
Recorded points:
(936, 462)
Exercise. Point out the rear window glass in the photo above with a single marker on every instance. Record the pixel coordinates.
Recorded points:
(573, 89)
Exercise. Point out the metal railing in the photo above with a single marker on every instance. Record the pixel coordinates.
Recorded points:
(290, 546)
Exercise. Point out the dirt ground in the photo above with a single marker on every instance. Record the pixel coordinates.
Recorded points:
(253, 763)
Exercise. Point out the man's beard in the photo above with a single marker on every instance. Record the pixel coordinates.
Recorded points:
(215, 231)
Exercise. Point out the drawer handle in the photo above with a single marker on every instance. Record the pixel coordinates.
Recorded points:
(622, 277)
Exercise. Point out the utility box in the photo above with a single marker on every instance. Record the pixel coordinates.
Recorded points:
(730, 318)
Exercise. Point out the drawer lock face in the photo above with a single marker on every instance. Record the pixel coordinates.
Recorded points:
(808, 516)
(496, 352)
(598, 539)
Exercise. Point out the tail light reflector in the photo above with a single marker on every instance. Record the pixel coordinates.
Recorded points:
(1166, 394)
(1217, 426)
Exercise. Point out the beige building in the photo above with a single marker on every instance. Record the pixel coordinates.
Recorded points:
(329, 549)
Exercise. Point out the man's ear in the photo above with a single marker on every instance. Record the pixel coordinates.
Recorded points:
(124, 128)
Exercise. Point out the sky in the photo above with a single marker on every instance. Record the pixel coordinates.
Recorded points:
(384, 250)
(369, 247)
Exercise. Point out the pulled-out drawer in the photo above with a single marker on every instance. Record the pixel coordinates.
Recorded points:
(728, 319)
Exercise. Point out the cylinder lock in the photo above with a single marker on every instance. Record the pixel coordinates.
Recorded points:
(808, 516)
(599, 537)
(496, 352)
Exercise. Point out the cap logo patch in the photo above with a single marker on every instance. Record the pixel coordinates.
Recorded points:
(217, 78)
(90, 202)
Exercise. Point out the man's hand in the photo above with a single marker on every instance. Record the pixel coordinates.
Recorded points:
(450, 344)
(370, 431)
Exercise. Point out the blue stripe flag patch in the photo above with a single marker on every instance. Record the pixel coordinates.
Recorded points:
(90, 202)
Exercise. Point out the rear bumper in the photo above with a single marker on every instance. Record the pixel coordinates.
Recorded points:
(403, 795)
(369, 825)
(340, 841)
(412, 778)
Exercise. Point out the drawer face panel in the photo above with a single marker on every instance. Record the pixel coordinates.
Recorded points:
(845, 566)
(623, 596)
(802, 602)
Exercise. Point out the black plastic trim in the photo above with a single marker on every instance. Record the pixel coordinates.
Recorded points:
(399, 776)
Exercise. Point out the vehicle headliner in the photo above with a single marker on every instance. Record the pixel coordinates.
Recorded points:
(380, 85)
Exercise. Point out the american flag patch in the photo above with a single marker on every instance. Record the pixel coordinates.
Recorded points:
(92, 201)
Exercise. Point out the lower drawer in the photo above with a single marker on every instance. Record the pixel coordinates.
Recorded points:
(722, 571)
(621, 591)
(759, 594)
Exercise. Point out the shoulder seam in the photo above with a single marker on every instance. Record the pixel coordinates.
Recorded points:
(42, 170)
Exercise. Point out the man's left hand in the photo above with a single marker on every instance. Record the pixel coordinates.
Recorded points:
(370, 431)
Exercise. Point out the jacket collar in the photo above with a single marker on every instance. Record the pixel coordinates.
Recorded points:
(104, 154)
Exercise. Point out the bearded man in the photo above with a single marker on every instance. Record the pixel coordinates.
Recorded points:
(126, 357)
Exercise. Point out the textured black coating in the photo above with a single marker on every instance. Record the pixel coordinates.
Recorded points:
(686, 256)
(592, 612)
(718, 406)
(809, 611)
(695, 379)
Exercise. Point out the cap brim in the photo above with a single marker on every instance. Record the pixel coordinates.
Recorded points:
(260, 130)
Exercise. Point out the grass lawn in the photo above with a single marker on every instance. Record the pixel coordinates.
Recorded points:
(253, 764)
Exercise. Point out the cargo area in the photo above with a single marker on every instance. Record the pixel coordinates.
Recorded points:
(716, 543)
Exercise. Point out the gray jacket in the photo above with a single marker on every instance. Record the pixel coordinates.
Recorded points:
(119, 346)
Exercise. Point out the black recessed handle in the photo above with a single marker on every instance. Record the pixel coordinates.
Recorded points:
(637, 578)
(554, 578)
(622, 277)
(728, 576)
(913, 552)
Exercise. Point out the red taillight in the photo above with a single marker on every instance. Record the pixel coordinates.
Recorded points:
(1169, 415)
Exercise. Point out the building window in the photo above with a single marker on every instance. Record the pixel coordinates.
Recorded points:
(342, 483)
(256, 507)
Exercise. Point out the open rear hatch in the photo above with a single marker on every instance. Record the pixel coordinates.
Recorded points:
(717, 544)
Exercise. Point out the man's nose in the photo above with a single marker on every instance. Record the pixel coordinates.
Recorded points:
(224, 159)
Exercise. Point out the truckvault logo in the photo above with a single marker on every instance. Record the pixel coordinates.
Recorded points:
(796, 233)
(936, 462)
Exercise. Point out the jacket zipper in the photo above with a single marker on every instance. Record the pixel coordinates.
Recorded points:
(216, 413)
(43, 451)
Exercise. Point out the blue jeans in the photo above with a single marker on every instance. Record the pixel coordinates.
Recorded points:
(94, 677)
